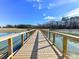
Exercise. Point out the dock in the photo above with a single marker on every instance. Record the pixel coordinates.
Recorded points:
(36, 47)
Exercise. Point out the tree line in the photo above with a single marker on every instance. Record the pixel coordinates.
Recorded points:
(65, 23)
(19, 26)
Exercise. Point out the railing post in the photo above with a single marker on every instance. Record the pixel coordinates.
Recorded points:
(29, 34)
(53, 38)
(64, 46)
(49, 34)
(10, 47)
(26, 36)
(22, 37)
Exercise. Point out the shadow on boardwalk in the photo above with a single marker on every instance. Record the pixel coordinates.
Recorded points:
(34, 53)
(35, 48)
(59, 57)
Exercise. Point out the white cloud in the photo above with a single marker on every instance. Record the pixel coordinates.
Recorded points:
(51, 5)
(56, 18)
(39, 6)
(60, 3)
(38, 0)
(49, 17)
(74, 12)
(34, 1)
(46, 4)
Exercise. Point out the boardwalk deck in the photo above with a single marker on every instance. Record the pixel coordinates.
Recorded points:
(36, 47)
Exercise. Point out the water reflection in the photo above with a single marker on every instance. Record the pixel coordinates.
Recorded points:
(73, 46)
(4, 45)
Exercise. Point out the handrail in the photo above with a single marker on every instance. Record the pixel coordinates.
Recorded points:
(10, 40)
(65, 38)
(68, 35)
(13, 35)
(64, 34)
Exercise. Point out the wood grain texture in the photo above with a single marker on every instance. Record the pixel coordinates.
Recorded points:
(36, 47)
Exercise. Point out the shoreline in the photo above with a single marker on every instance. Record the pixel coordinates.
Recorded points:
(3, 30)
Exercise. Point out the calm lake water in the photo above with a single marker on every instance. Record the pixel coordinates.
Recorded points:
(4, 44)
(72, 46)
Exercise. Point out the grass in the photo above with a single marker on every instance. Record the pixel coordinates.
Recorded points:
(3, 30)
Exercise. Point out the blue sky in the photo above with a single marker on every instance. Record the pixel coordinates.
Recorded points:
(36, 11)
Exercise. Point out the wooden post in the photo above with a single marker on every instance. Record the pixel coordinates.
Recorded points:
(29, 34)
(22, 37)
(53, 38)
(10, 47)
(48, 34)
(64, 46)
(26, 36)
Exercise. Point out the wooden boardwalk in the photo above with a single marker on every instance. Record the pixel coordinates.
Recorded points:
(37, 47)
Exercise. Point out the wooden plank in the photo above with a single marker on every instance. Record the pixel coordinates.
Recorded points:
(26, 50)
(44, 49)
(36, 47)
